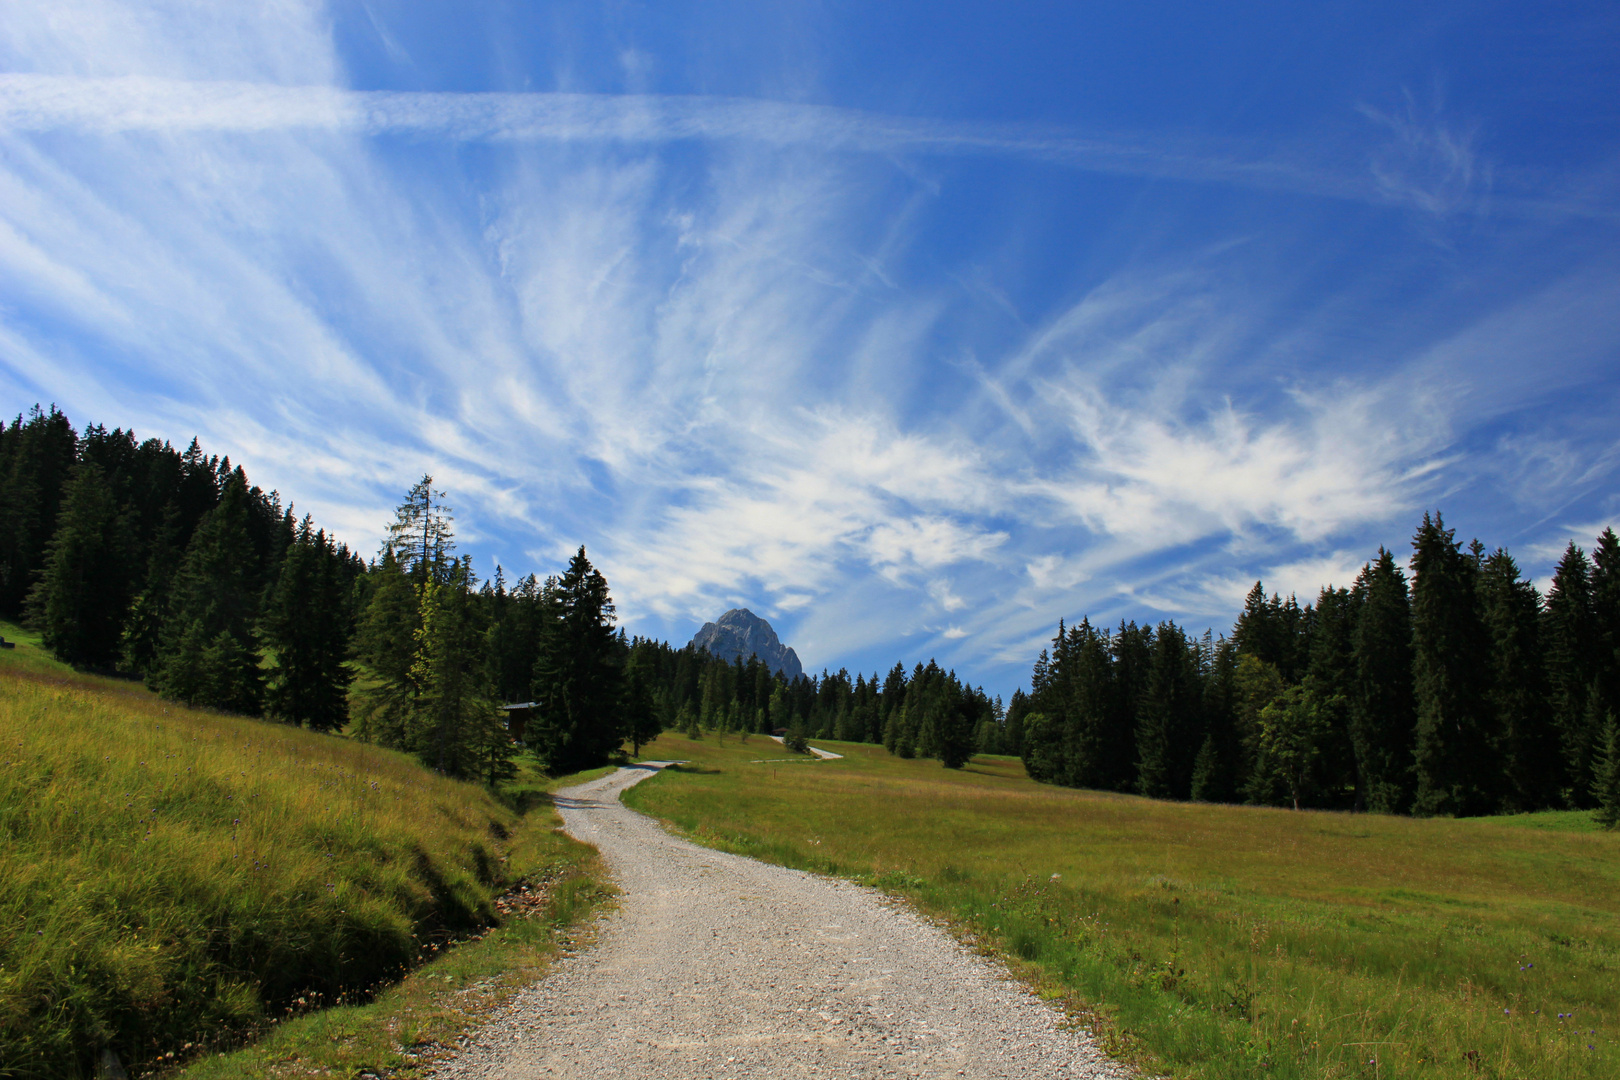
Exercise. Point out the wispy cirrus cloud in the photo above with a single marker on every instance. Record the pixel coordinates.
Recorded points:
(1427, 167)
(747, 350)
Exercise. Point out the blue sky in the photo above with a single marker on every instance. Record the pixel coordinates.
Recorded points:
(912, 327)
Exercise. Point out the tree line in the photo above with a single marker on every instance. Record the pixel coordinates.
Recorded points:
(929, 713)
(1454, 689)
(135, 559)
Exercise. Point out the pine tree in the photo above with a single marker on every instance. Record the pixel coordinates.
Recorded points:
(579, 674)
(1382, 709)
(1606, 776)
(141, 644)
(1330, 680)
(306, 627)
(642, 720)
(1169, 729)
(1215, 768)
(213, 603)
(1570, 640)
(454, 726)
(1017, 709)
(36, 457)
(82, 595)
(1100, 747)
(954, 726)
(1606, 620)
(1457, 770)
(1517, 692)
(386, 643)
(421, 534)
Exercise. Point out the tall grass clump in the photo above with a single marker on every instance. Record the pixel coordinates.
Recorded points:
(1218, 942)
(172, 878)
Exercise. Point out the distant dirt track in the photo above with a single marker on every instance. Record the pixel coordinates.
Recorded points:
(718, 966)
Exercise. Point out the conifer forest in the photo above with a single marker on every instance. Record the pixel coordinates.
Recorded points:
(1442, 684)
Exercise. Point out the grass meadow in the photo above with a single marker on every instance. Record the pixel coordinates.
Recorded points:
(1213, 941)
(174, 880)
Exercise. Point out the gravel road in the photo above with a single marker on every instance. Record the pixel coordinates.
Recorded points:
(716, 966)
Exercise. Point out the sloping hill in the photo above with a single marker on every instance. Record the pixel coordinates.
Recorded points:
(171, 877)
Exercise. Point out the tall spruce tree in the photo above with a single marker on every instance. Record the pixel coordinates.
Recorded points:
(1169, 729)
(1606, 620)
(1606, 775)
(454, 727)
(422, 535)
(1454, 752)
(210, 656)
(1570, 645)
(1215, 769)
(642, 720)
(1330, 684)
(386, 643)
(579, 675)
(305, 625)
(1517, 692)
(36, 456)
(1101, 746)
(1383, 712)
(82, 593)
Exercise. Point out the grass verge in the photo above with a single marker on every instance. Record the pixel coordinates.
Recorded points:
(174, 881)
(1211, 941)
(419, 1021)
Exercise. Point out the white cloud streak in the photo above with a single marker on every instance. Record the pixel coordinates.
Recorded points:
(140, 103)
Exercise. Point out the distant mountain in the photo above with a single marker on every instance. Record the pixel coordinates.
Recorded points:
(741, 633)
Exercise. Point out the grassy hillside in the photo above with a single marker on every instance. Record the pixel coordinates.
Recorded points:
(1216, 941)
(170, 879)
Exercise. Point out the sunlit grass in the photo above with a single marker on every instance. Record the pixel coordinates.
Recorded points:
(1217, 941)
(172, 877)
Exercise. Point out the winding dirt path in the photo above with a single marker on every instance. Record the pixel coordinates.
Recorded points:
(718, 966)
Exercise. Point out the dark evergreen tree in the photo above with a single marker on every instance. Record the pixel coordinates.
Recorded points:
(82, 594)
(954, 725)
(1606, 620)
(1570, 643)
(386, 643)
(1215, 769)
(213, 602)
(1517, 693)
(1456, 764)
(1330, 682)
(1606, 775)
(579, 674)
(306, 628)
(1382, 709)
(36, 456)
(421, 534)
(1168, 730)
(454, 726)
(642, 720)
(1017, 709)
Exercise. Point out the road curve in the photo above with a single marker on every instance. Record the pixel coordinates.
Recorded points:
(717, 966)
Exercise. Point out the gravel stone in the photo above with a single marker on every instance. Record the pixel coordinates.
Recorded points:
(716, 966)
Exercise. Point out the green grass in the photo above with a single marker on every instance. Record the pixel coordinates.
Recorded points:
(414, 1023)
(1216, 942)
(172, 881)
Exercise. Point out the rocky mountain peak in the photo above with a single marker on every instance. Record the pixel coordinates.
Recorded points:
(739, 633)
